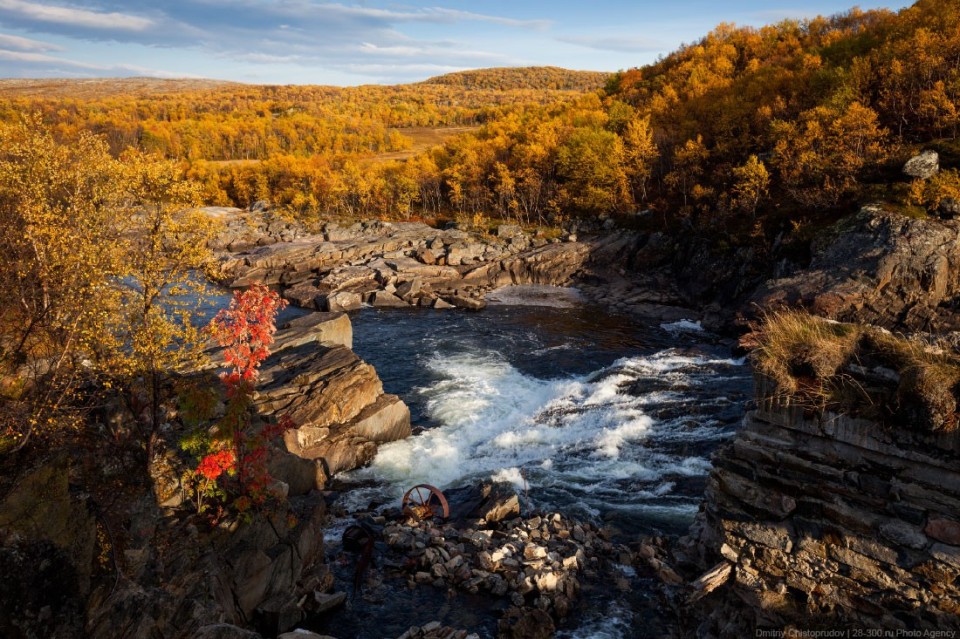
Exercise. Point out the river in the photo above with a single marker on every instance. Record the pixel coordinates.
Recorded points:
(599, 416)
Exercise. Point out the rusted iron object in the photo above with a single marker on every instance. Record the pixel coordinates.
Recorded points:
(424, 501)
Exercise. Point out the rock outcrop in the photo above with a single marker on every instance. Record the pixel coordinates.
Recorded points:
(831, 521)
(334, 399)
(220, 583)
(879, 268)
(402, 264)
(242, 230)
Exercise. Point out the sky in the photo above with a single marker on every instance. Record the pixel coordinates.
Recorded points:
(361, 42)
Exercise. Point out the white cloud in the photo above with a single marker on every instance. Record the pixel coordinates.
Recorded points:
(74, 17)
(456, 15)
(356, 38)
(25, 56)
(115, 69)
(25, 44)
(625, 44)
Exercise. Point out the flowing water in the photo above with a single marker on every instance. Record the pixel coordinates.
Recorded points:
(594, 415)
(599, 416)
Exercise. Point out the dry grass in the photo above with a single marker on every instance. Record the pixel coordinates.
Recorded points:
(90, 88)
(422, 138)
(859, 370)
(795, 348)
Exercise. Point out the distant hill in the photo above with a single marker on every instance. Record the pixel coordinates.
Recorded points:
(506, 78)
(102, 87)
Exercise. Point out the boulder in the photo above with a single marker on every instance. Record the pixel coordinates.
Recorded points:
(343, 301)
(322, 328)
(383, 299)
(491, 502)
(949, 208)
(923, 166)
(224, 631)
(299, 474)
(463, 301)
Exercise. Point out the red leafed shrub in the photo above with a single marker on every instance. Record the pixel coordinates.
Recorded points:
(239, 448)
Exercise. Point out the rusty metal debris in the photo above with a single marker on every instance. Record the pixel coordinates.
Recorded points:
(424, 501)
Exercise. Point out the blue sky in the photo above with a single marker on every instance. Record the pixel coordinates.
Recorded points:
(361, 42)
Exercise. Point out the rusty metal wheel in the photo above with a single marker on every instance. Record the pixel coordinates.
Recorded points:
(424, 501)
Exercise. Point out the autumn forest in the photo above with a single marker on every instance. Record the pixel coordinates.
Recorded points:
(802, 114)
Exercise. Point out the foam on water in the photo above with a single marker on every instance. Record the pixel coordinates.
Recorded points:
(683, 326)
(593, 442)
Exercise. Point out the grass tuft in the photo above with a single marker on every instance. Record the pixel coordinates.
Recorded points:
(859, 370)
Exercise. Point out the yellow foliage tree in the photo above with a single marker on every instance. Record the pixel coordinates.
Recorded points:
(61, 243)
(640, 153)
(163, 286)
(751, 184)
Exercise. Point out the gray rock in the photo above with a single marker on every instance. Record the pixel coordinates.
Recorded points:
(383, 299)
(490, 502)
(343, 301)
(949, 208)
(328, 602)
(923, 166)
(224, 631)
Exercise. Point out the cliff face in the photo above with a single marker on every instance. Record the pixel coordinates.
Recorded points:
(832, 521)
(878, 268)
(335, 399)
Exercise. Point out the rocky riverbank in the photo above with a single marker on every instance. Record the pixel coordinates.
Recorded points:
(828, 521)
(411, 264)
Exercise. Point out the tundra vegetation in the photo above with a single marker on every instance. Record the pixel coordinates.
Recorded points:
(749, 140)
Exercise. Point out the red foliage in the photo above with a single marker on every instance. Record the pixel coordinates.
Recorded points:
(215, 464)
(245, 330)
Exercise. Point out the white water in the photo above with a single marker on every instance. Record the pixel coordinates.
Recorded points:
(575, 441)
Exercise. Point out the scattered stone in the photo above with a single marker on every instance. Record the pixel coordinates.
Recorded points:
(923, 166)
(328, 602)
(945, 530)
(711, 580)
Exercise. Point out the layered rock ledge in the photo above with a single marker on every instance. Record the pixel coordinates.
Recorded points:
(402, 264)
(830, 522)
(335, 400)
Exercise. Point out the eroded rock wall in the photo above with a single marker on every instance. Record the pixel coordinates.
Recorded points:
(879, 268)
(832, 521)
(335, 400)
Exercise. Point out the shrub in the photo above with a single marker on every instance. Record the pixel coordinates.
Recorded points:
(826, 365)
